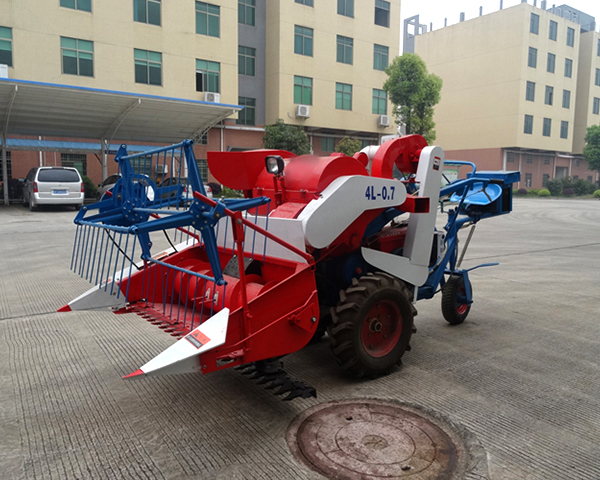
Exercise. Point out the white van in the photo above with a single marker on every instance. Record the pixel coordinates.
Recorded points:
(53, 186)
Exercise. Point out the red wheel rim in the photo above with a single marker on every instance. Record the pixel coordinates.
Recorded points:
(381, 328)
(461, 308)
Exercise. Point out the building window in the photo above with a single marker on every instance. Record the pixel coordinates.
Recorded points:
(596, 107)
(303, 41)
(528, 180)
(546, 160)
(528, 124)
(77, 56)
(589, 178)
(207, 19)
(551, 63)
(568, 67)
(247, 61)
(202, 169)
(530, 92)
(343, 96)
(208, 76)
(382, 13)
(575, 177)
(545, 179)
(547, 127)
(549, 95)
(6, 46)
(247, 116)
(598, 49)
(566, 99)
(345, 46)
(597, 81)
(203, 140)
(570, 36)
(346, 8)
(247, 12)
(534, 23)
(308, 3)
(302, 90)
(553, 30)
(146, 11)
(577, 160)
(327, 144)
(84, 5)
(8, 165)
(528, 158)
(564, 129)
(75, 160)
(379, 102)
(148, 67)
(381, 57)
(532, 59)
(510, 157)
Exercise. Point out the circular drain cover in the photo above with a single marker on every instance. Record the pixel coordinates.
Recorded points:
(374, 439)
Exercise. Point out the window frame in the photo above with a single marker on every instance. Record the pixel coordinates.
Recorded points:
(596, 106)
(547, 127)
(532, 58)
(147, 11)
(530, 91)
(380, 6)
(568, 68)
(551, 56)
(528, 125)
(208, 75)
(534, 24)
(553, 29)
(246, 6)
(76, 5)
(244, 117)
(308, 3)
(9, 40)
(378, 101)
(566, 102)
(328, 144)
(346, 7)
(301, 89)
(246, 61)
(344, 49)
(597, 79)
(380, 55)
(149, 63)
(306, 40)
(564, 129)
(345, 94)
(549, 95)
(78, 56)
(570, 37)
(208, 14)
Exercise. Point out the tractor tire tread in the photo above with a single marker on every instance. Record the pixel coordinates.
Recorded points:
(449, 293)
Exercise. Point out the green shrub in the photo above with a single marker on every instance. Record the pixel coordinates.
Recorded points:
(533, 191)
(230, 193)
(555, 187)
(522, 191)
(597, 194)
(90, 187)
(544, 192)
(583, 187)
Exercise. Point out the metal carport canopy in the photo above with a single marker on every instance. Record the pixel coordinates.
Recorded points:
(46, 109)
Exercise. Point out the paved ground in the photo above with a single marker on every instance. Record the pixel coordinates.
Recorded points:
(522, 373)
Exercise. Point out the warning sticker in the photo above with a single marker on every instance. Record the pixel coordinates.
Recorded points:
(197, 338)
(436, 163)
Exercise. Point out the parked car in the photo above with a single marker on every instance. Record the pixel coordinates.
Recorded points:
(108, 183)
(53, 186)
(187, 190)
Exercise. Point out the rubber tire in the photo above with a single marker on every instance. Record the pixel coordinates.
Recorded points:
(345, 331)
(450, 303)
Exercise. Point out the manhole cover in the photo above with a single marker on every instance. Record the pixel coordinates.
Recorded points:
(374, 439)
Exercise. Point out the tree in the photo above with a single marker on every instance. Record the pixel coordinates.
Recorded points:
(413, 92)
(591, 152)
(348, 146)
(280, 136)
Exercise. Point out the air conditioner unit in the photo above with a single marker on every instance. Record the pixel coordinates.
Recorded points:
(383, 121)
(212, 97)
(302, 111)
(161, 169)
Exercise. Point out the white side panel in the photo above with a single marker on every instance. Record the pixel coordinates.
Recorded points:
(419, 235)
(182, 356)
(343, 201)
(398, 266)
(288, 229)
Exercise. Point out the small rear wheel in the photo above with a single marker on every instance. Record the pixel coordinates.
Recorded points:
(454, 300)
(372, 324)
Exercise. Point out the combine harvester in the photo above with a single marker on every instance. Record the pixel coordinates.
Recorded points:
(317, 244)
